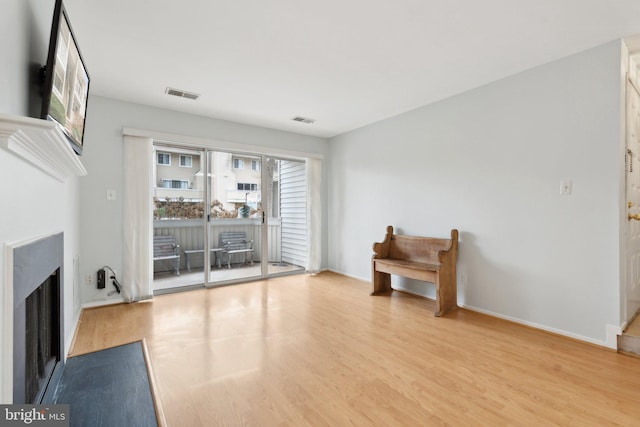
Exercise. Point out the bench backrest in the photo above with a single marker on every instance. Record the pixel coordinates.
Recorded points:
(234, 240)
(164, 246)
(418, 249)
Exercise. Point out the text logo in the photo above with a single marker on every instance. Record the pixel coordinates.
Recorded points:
(34, 415)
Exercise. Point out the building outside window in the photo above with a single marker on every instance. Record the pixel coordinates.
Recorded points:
(255, 165)
(175, 183)
(164, 159)
(245, 186)
(186, 161)
(238, 164)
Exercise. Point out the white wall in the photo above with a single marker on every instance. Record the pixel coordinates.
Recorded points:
(489, 162)
(102, 222)
(13, 51)
(33, 204)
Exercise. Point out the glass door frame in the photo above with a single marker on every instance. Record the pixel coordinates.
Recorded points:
(208, 222)
(172, 148)
(266, 202)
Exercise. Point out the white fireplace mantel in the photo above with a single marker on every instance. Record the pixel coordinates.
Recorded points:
(42, 143)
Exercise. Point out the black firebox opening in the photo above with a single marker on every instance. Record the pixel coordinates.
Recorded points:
(42, 344)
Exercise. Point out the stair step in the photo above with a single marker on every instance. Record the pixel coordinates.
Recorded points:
(629, 344)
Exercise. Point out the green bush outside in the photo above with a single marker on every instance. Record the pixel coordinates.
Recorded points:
(181, 209)
(56, 110)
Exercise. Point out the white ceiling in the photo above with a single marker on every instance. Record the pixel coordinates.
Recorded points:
(345, 63)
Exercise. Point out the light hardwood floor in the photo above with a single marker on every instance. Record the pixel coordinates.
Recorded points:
(318, 350)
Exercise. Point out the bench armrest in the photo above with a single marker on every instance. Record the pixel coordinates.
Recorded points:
(451, 253)
(381, 250)
(448, 257)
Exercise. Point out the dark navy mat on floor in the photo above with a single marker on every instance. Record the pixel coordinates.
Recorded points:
(108, 388)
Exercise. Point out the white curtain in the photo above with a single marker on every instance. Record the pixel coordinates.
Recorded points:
(138, 222)
(314, 215)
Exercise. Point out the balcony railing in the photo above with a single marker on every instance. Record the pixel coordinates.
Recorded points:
(175, 193)
(189, 234)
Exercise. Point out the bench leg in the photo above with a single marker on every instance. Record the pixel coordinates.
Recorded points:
(188, 260)
(177, 266)
(381, 283)
(446, 295)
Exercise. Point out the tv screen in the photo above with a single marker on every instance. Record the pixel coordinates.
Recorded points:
(66, 85)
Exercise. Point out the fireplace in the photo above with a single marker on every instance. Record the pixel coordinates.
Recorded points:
(42, 332)
(38, 330)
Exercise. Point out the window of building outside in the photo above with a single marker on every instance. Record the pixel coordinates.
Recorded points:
(164, 159)
(186, 161)
(175, 183)
(238, 164)
(245, 186)
(255, 165)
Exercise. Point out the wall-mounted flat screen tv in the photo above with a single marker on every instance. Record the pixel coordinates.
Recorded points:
(66, 83)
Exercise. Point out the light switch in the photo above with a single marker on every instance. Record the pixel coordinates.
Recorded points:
(565, 187)
(111, 194)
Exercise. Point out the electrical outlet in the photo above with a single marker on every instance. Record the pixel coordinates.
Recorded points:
(89, 279)
(565, 187)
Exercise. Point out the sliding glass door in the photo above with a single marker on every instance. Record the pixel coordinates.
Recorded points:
(225, 217)
(286, 215)
(236, 217)
(178, 198)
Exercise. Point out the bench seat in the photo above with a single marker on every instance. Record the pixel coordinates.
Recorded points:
(235, 242)
(165, 248)
(165, 257)
(411, 269)
(427, 259)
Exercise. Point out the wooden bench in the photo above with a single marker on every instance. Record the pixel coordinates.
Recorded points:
(235, 242)
(422, 258)
(216, 252)
(165, 248)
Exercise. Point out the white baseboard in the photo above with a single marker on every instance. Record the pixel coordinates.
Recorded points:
(612, 335)
(543, 327)
(367, 279)
(612, 331)
(72, 337)
(100, 303)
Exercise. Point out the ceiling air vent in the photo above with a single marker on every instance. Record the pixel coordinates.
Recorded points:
(303, 120)
(181, 93)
